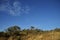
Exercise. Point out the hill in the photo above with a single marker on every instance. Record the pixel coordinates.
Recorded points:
(14, 33)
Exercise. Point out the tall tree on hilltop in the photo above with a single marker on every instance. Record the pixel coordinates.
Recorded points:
(32, 27)
(13, 30)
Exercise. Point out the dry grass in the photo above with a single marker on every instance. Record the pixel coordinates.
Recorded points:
(53, 35)
(45, 36)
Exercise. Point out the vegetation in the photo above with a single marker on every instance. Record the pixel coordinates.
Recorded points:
(14, 30)
(15, 33)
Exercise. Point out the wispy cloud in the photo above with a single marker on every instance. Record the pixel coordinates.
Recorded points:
(16, 9)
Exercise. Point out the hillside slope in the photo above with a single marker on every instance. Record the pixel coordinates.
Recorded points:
(45, 36)
(15, 33)
(54, 35)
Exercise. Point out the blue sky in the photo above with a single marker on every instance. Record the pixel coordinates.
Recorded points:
(43, 14)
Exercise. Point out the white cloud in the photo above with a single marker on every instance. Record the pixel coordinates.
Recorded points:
(16, 9)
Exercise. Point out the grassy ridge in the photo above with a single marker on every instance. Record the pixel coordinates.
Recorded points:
(15, 33)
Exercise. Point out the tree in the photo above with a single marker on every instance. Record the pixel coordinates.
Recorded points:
(2, 34)
(32, 27)
(13, 30)
(57, 29)
(39, 30)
